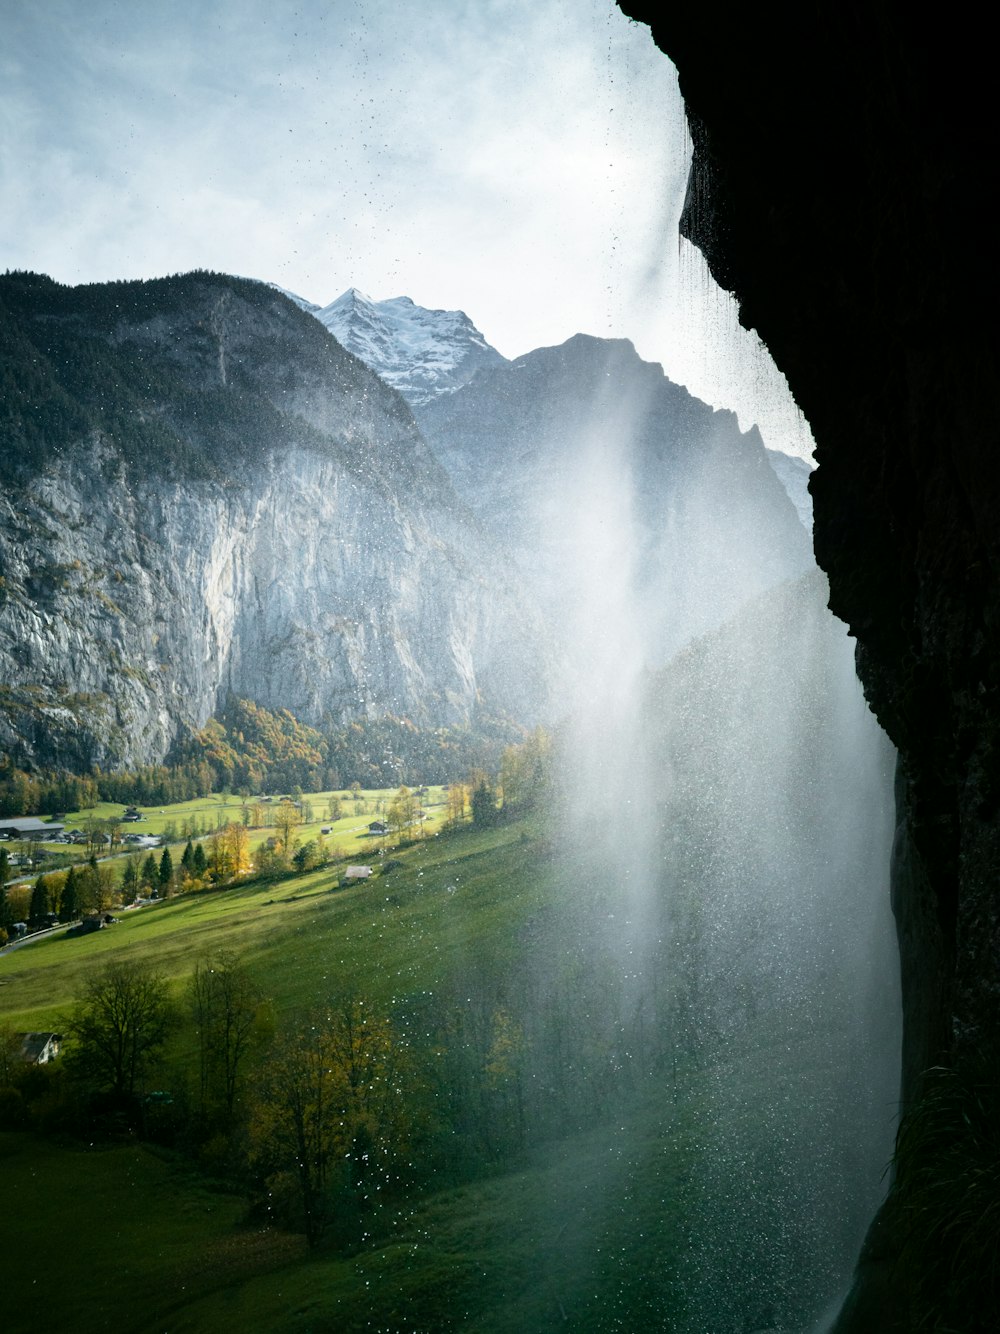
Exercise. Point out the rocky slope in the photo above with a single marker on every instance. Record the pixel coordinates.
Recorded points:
(204, 493)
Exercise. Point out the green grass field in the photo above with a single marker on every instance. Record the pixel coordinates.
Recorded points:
(348, 834)
(604, 1228)
(308, 941)
(517, 1251)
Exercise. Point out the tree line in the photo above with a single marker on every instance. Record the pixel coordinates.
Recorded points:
(250, 749)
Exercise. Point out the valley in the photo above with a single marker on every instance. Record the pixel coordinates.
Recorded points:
(494, 739)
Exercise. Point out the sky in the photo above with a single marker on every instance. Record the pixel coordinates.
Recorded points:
(521, 160)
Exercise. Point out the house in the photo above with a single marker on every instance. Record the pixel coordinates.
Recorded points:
(39, 1048)
(378, 827)
(29, 826)
(352, 874)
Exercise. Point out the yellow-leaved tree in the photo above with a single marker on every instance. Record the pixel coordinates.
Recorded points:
(330, 1126)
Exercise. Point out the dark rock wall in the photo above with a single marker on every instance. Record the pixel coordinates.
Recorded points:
(841, 188)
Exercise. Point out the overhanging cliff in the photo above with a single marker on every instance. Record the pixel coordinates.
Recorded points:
(844, 164)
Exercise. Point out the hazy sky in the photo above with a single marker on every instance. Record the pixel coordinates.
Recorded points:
(522, 160)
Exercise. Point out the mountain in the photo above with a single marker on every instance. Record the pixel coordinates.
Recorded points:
(202, 493)
(617, 492)
(421, 353)
(793, 474)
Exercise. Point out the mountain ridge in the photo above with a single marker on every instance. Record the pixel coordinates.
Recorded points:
(206, 495)
(422, 353)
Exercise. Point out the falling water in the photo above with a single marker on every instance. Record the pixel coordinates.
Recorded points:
(739, 891)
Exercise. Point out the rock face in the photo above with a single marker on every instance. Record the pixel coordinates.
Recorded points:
(841, 188)
(204, 493)
(608, 482)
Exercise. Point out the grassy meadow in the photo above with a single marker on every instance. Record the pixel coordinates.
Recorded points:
(520, 1249)
(446, 898)
(598, 1219)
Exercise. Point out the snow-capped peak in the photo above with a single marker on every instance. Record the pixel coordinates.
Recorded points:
(422, 353)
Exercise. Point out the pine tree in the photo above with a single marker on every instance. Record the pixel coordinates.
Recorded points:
(131, 878)
(39, 905)
(6, 915)
(199, 861)
(150, 872)
(187, 861)
(166, 873)
(69, 904)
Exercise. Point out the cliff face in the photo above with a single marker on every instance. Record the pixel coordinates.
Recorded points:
(841, 185)
(225, 500)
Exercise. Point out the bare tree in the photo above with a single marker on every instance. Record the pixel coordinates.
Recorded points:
(228, 1009)
(120, 1024)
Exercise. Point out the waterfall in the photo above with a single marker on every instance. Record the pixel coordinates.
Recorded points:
(728, 808)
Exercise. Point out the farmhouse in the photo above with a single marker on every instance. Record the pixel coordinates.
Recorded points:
(378, 827)
(354, 873)
(29, 826)
(39, 1048)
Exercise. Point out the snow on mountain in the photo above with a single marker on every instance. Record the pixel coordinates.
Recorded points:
(310, 307)
(422, 353)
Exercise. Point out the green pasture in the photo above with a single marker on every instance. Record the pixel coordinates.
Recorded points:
(107, 1238)
(591, 1232)
(348, 835)
(447, 899)
(590, 1235)
(221, 808)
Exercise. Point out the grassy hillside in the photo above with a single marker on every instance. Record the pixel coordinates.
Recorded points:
(446, 900)
(532, 1244)
(571, 1168)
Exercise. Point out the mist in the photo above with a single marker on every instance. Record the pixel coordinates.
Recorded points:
(722, 813)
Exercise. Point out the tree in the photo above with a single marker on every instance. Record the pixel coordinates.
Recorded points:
(119, 1025)
(165, 874)
(227, 1006)
(150, 873)
(334, 808)
(95, 885)
(403, 813)
(286, 817)
(114, 831)
(311, 855)
(187, 860)
(199, 861)
(237, 848)
(39, 905)
(6, 916)
(69, 902)
(484, 804)
(332, 1109)
(131, 881)
(458, 796)
(524, 771)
